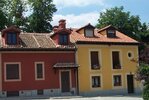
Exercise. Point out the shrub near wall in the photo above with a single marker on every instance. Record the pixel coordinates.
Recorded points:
(146, 92)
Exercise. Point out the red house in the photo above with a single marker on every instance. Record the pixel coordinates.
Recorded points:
(37, 63)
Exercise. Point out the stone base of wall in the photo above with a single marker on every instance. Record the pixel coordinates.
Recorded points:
(138, 91)
(46, 92)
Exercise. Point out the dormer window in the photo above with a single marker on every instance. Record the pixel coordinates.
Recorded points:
(89, 32)
(11, 38)
(63, 39)
(111, 33)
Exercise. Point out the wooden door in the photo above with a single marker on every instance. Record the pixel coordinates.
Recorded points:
(65, 81)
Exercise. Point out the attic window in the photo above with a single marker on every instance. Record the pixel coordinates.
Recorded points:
(111, 33)
(11, 38)
(63, 39)
(89, 32)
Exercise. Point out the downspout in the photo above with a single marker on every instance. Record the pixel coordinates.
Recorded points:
(77, 77)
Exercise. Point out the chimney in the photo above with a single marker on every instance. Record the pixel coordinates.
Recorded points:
(62, 24)
(55, 28)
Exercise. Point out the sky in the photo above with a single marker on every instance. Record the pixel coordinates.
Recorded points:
(78, 13)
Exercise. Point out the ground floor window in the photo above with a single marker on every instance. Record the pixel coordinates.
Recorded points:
(96, 81)
(39, 92)
(12, 71)
(117, 80)
(39, 70)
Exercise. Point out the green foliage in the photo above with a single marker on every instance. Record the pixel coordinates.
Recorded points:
(15, 12)
(123, 21)
(12, 12)
(146, 92)
(42, 16)
(143, 74)
(144, 33)
(3, 19)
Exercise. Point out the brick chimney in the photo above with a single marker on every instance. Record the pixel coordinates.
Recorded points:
(55, 28)
(62, 24)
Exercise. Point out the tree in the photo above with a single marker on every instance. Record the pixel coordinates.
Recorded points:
(144, 33)
(39, 20)
(143, 74)
(3, 18)
(15, 10)
(123, 21)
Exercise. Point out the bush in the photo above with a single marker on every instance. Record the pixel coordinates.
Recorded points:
(146, 92)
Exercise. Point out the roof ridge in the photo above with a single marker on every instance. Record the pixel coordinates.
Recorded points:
(36, 41)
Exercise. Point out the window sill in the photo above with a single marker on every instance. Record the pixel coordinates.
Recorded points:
(96, 68)
(12, 80)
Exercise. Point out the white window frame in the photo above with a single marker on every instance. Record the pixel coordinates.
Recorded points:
(132, 55)
(43, 71)
(117, 87)
(5, 74)
(99, 57)
(96, 88)
(120, 58)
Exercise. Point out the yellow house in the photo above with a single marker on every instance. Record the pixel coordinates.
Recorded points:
(107, 59)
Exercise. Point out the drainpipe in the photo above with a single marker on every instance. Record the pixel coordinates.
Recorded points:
(77, 77)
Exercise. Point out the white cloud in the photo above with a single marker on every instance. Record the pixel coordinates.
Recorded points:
(77, 3)
(77, 21)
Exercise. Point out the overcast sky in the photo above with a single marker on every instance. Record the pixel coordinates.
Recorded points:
(81, 12)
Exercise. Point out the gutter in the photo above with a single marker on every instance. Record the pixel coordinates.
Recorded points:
(37, 49)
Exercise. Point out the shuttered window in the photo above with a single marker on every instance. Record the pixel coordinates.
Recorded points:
(12, 71)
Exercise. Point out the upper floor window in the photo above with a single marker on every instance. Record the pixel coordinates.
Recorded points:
(94, 60)
(63, 39)
(12, 71)
(89, 32)
(111, 33)
(116, 60)
(11, 38)
(39, 70)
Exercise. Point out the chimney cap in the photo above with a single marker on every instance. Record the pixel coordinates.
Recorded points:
(62, 20)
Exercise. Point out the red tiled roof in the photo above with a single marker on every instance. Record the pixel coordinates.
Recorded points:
(120, 37)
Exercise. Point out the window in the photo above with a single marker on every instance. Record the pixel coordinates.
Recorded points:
(39, 71)
(116, 60)
(89, 32)
(117, 80)
(96, 81)
(39, 92)
(11, 38)
(111, 33)
(130, 55)
(94, 60)
(63, 39)
(12, 72)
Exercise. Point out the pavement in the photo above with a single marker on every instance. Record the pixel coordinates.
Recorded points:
(118, 97)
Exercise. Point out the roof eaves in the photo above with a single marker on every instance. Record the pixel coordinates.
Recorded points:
(107, 43)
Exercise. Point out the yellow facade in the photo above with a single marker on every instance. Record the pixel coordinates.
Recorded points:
(106, 70)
